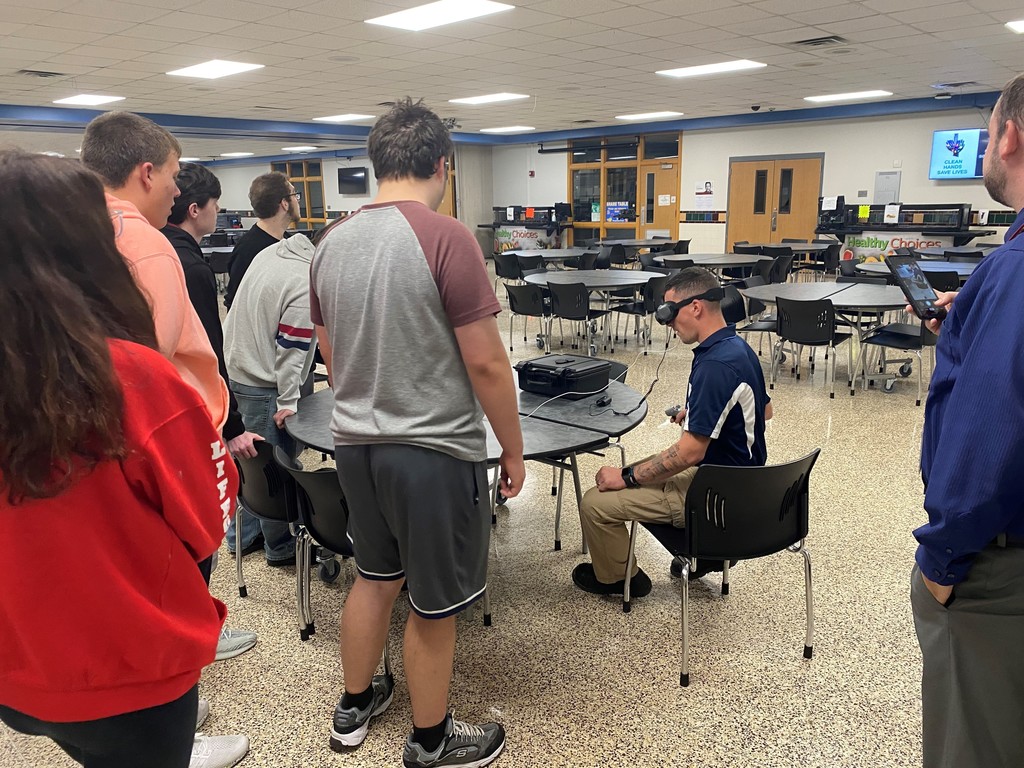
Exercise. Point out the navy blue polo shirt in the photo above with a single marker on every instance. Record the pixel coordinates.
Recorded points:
(726, 399)
(972, 451)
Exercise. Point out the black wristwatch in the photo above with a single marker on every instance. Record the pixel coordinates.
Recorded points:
(629, 478)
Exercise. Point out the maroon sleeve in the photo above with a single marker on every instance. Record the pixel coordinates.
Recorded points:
(457, 264)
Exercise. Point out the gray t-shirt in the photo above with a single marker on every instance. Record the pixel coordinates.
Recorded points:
(389, 284)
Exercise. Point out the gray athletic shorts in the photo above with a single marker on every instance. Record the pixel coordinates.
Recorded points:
(421, 515)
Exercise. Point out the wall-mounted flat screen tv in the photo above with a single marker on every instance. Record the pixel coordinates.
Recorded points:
(353, 181)
(958, 154)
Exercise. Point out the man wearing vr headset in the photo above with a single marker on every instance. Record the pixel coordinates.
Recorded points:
(722, 423)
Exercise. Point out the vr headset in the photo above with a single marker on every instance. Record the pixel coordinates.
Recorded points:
(666, 313)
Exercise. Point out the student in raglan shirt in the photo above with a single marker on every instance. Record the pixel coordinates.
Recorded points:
(113, 466)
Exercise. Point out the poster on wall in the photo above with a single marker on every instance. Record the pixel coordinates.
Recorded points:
(704, 196)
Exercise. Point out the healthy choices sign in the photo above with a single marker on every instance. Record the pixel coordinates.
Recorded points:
(875, 246)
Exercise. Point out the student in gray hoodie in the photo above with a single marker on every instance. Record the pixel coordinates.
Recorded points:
(269, 347)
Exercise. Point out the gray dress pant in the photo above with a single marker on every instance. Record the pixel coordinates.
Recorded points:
(972, 687)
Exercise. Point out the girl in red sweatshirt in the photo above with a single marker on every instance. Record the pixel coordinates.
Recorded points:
(111, 466)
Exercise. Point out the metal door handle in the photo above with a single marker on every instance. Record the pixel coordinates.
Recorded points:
(775, 218)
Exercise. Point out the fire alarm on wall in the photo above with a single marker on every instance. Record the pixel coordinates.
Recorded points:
(533, 174)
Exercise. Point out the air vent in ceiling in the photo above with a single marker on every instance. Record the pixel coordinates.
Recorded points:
(386, 104)
(278, 109)
(40, 73)
(819, 42)
(583, 122)
(955, 86)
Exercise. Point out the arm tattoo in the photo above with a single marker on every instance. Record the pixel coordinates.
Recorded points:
(667, 463)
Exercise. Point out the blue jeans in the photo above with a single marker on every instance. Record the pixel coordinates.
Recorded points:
(257, 406)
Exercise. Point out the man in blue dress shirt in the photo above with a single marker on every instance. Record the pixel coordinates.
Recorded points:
(967, 588)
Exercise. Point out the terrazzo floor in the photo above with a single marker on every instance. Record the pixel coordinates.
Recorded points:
(577, 682)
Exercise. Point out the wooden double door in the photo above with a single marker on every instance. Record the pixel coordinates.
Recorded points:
(773, 198)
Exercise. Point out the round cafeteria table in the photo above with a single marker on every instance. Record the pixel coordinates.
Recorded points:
(963, 269)
(553, 255)
(713, 260)
(596, 279)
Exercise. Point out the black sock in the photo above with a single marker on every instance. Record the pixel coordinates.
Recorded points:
(430, 738)
(357, 700)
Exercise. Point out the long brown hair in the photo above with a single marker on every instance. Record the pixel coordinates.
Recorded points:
(64, 291)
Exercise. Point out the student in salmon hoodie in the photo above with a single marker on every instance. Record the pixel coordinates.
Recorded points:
(138, 163)
(109, 462)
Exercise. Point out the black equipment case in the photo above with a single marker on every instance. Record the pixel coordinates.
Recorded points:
(569, 375)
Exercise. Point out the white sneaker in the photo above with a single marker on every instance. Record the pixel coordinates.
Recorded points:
(202, 713)
(234, 642)
(218, 751)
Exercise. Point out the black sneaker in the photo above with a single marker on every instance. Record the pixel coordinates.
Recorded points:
(704, 567)
(255, 546)
(463, 746)
(584, 578)
(350, 724)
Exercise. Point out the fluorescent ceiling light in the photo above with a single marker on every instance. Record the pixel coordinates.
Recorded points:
(440, 13)
(211, 70)
(342, 118)
(89, 100)
(509, 129)
(648, 116)
(188, 159)
(847, 96)
(298, 149)
(236, 154)
(1016, 26)
(489, 98)
(712, 69)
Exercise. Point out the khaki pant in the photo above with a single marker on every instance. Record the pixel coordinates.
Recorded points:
(604, 517)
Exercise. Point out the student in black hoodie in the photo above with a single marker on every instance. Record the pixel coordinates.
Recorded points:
(276, 204)
(194, 216)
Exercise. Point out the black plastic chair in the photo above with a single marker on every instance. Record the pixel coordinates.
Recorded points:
(781, 267)
(610, 254)
(650, 298)
(528, 301)
(682, 246)
(848, 268)
(529, 265)
(506, 267)
(744, 249)
(672, 261)
(964, 257)
(220, 262)
(583, 261)
(572, 302)
(808, 324)
(733, 309)
(943, 281)
(738, 513)
(267, 493)
(323, 516)
(755, 308)
(647, 259)
(906, 337)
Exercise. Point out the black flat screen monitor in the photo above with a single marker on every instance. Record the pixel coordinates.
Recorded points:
(353, 181)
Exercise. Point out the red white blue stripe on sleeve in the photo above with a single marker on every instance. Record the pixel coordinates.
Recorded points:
(290, 337)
